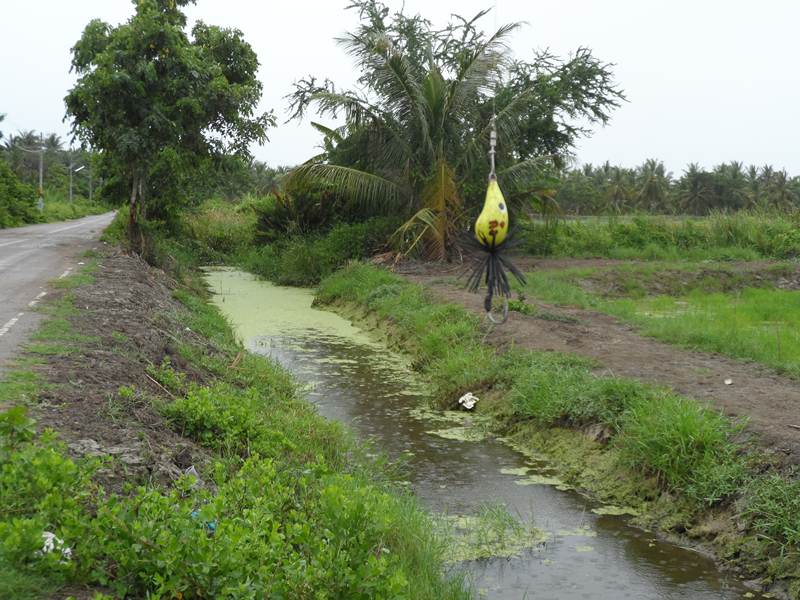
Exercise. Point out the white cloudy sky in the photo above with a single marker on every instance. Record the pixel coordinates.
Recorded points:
(707, 80)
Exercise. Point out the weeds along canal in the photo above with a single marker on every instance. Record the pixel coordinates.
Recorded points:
(560, 545)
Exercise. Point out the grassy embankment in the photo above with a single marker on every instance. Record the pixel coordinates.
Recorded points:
(739, 313)
(736, 236)
(676, 462)
(290, 508)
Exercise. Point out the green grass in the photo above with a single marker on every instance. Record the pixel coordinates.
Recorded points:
(760, 324)
(737, 236)
(57, 208)
(20, 386)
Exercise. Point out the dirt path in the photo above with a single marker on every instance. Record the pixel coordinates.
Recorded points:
(769, 401)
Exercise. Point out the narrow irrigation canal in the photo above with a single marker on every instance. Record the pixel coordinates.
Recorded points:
(580, 550)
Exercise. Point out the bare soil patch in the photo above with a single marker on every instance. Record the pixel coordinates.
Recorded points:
(770, 402)
(130, 310)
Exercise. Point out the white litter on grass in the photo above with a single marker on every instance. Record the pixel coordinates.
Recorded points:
(198, 482)
(54, 544)
(729, 382)
(468, 401)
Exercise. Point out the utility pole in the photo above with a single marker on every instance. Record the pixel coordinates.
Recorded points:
(70, 175)
(40, 203)
(90, 178)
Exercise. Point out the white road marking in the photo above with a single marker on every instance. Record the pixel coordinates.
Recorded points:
(65, 273)
(14, 242)
(35, 301)
(9, 324)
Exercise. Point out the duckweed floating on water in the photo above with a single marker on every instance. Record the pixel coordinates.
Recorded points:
(464, 434)
(492, 534)
(520, 471)
(579, 532)
(536, 479)
(615, 511)
(584, 549)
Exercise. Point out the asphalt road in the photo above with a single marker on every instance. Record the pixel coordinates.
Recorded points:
(30, 257)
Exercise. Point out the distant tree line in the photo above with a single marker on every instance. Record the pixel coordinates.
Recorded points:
(21, 153)
(650, 188)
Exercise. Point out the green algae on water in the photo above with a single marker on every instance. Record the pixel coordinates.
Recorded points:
(615, 511)
(464, 434)
(487, 536)
(257, 308)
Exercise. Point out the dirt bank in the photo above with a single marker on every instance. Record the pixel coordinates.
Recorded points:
(770, 402)
(129, 321)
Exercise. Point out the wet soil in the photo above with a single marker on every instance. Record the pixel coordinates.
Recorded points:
(770, 402)
(133, 319)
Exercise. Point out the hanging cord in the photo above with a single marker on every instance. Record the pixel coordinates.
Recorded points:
(492, 145)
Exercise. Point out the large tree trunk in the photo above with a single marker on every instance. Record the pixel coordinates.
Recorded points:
(133, 216)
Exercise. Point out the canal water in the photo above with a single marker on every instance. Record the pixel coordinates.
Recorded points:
(582, 553)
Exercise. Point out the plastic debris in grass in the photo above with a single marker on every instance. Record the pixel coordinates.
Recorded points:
(468, 401)
(52, 543)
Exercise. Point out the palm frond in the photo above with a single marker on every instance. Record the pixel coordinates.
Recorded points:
(369, 190)
(358, 112)
(520, 175)
(409, 234)
(478, 70)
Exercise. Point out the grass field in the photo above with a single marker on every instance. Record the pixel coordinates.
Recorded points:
(714, 308)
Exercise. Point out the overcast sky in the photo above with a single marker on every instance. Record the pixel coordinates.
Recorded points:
(707, 81)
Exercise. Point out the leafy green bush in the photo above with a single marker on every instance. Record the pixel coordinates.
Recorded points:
(306, 260)
(287, 518)
(17, 200)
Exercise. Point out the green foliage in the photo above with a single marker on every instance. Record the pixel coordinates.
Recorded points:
(730, 187)
(17, 200)
(415, 130)
(686, 445)
(773, 509)
(739, 236)
(159, 104)
(306, 260)
(220, 229)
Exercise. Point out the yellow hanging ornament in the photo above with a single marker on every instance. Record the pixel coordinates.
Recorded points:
(491, 226)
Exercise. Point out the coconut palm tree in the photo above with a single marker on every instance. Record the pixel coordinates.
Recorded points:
(421, 124)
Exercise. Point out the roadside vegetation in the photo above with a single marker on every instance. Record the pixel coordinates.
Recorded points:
(284, 504)
(675, 461)
(19, 176)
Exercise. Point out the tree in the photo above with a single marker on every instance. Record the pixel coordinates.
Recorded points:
(415, 134)
(159, 104)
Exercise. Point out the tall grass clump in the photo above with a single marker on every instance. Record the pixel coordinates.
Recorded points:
(721, 236)
(220, 230)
